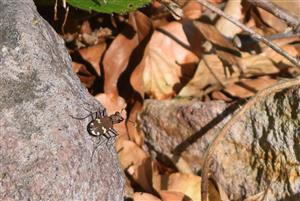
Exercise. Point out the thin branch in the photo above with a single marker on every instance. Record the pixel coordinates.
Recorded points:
(289, 18)
(209, 154)
(251, 32)
(65, 20)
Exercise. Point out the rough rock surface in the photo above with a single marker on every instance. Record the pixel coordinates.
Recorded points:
(45, 154)
(181, 127)
(262, 149)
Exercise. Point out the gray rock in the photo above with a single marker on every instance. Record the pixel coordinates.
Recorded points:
(261, 150)
(45, 154)
(181, 127)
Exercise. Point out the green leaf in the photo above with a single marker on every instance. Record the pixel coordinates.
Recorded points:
(108, 6)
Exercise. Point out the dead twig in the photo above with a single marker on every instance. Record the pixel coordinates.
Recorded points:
(289, 18)
(65, 20)
(252, 33)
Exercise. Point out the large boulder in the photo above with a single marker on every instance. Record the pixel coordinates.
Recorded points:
(261, 152)
(45, 154)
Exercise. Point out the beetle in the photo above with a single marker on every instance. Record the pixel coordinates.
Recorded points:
(102, 125)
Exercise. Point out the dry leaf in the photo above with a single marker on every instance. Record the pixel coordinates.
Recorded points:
(188, 184)
(130, 154)
(206, 76)
(84, 75)
(224, 48)
(119, 54)
(247, 87)
(143, 174)
(192, 10)
(274, 56)
(161, 71)
(133, 132)
(208, 79)
(139, 196)
(93, 55)
(276, 23)
(174, 196)
(86, 27)
(137, 163)
(262, 196)
(227, 28)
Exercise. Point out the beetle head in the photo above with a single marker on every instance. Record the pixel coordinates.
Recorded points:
(116, 118)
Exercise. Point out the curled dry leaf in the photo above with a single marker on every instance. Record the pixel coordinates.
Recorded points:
(245, 87)
(192, 10)
(272, 20)
(224, 48)
(93, 55)
(134, 134)
(234, 9)
(259, 196)
(188, 184)
(162, 70)
(138, 164)
(207, 79)
(139, 196)
(131, 155)
(119, 54)
(174, 196)
(279, 59)
(86, 27)
(276, 23)
(84, 75)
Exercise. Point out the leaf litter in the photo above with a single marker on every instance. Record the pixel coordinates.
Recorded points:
(125, 59)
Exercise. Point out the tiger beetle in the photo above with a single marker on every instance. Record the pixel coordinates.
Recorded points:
(102, 125)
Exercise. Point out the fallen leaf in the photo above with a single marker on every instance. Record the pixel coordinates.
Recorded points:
(120, 53)
(137, 163)
(213, 77)
(130, 154)
(93, 54)
(174, 196)
(258, 197)
(86, 27)
(279, 59)
(192, 10)
(247, 87)
(140, 196)
(85, 76)
(188, 184)
(133, 132)
(227, 28)
(224, 48)
(167, 49)
(207, 76)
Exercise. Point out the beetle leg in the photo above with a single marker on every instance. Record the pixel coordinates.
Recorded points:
(107, 139)
(114, 132)
(80, 118)
(102, 113)
(91, 114)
